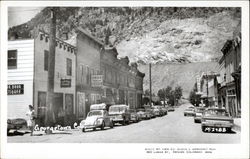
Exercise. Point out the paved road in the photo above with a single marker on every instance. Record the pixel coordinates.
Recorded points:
(172, 128)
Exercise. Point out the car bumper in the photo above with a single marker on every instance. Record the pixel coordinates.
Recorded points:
(91, 126)
(217, 125)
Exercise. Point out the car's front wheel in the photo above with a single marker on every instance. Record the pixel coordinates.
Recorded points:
(83, 129)
(203, 128)
(111, 124)
(102, 126)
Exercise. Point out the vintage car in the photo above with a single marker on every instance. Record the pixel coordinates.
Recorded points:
(120, 114)
(171, 108)
(134, 116)
(97, 118)
(16, 124)
(150, 112)
(216, 120)
(189, 111)
(143, 114)
(165, 110)
(156, 111)
(198, 111)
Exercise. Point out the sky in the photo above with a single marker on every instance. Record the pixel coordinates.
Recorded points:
(20, 15)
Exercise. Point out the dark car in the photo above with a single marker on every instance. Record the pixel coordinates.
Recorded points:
(216, 120)
(120, 114)
(16, 124)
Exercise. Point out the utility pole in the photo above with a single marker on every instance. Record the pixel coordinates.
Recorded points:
(49, 120)
(207, 90)
(150, 86)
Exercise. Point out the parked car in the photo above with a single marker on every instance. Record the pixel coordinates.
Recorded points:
(16, 124)
(216, 120)
(97, 118)
(143, 114)
(189, 111)
(156, 111)
(165, 110)
(120, 114)
(198, 111)
(150, 112)
(134, 116)
(162, 111)
(171, 108)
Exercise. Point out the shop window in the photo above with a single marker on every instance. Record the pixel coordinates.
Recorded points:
(46, 60)
(12, 59)
(69, 67)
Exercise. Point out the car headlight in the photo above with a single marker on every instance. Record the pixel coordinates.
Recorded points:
(82, 123)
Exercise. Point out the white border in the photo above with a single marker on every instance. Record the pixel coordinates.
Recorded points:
(51, 150)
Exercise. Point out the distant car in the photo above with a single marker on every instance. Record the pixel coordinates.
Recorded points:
(143, 114)
(97, 118)
(156, 111)
(198, 111)
(120, 114)
(16, 124)
(165, 110)
(151, 112)
(171, 108)
(161, 109)
(216, 120)
(189, 112)
(134, 117)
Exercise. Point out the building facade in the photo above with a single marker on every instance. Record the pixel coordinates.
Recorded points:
(232, 59)
(28, 69)
(103, 78)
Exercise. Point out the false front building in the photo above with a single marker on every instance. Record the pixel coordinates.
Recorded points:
(102, 77)
(27, 79)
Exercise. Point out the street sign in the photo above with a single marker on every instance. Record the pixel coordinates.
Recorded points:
(65, 83)
(15, 89)
(96, 80)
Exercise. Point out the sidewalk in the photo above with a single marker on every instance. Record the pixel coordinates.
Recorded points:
(237, 124)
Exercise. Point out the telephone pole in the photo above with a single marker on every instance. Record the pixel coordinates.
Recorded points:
(207, 90)
(49, 120)
(150, 86)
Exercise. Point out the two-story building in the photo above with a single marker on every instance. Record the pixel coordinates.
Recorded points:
(103, 77)
(232, 62)
(27, 78)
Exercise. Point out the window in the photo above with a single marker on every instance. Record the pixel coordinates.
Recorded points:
(69, 67)
(46, 60)
(12, 59)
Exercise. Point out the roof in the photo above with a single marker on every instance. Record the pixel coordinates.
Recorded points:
(90, 36)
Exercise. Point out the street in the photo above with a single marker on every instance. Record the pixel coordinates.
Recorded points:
(171, 128)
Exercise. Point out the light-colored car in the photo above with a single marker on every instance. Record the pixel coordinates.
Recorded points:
(198, 111)
(143, 114)
(171, 108)
(156, 111)
(97, 118)
(120, 114)
(189, 112)
(134, 117)
(216, 120)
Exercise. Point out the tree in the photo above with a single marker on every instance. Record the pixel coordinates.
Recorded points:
(147, 92)
(108, 33)
(177, 93)
(194, 98)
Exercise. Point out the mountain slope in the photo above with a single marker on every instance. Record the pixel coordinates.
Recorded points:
(183, 75)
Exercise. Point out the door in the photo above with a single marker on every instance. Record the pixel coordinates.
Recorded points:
(41, 108)
(58, 108)
(81, 104)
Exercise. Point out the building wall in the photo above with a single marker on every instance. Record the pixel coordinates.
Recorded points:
(63, 102)
(87, 64)
(23, 74)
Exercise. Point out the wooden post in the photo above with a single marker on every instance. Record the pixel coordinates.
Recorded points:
(150, 86)
(49, 119)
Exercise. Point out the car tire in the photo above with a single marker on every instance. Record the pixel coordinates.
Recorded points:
(195, 121)
(228, 130)
(203, 128)
(94, 129)
(102, 126)
(111, 124)
(83, 129)
(185, 115)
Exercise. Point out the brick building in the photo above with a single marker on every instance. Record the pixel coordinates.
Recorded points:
(102, 77)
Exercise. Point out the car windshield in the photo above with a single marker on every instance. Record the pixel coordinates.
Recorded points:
(95, 113)
(217, 112)
(117, 109)
(199, 110)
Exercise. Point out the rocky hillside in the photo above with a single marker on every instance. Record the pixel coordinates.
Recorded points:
(173, 75)
(147, 34)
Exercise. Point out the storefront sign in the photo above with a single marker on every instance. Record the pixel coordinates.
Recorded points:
(65, 82)
(15, 89)
(96, 80)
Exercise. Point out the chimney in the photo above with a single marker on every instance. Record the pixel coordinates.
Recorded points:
(65, 36)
